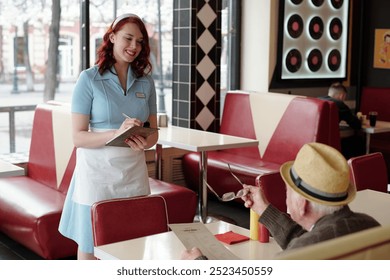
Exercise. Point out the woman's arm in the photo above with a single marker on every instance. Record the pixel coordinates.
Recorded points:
(139, 143)
(84, 138)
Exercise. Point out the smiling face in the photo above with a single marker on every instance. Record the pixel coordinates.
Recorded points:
(127, 42)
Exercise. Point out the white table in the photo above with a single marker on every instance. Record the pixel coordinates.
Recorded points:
(374, 203)
(198, 141)
(380, 127)
(166, 246)
(8, 169)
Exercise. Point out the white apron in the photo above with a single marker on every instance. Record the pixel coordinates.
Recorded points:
(109, 172)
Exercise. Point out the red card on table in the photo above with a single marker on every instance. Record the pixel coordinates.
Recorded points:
(231, 237)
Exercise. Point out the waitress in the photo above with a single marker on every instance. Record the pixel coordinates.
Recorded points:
(119, 83)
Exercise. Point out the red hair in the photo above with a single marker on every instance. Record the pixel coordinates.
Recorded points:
(141, 66)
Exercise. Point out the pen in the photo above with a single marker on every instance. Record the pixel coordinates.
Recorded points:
(145, 124)
(126, 116)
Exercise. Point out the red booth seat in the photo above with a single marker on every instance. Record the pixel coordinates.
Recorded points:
(282, 124)
(377, 99)
(31, 205)
(369, 172)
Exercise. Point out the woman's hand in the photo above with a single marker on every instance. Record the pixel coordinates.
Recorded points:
(128, 122)
(135, 142)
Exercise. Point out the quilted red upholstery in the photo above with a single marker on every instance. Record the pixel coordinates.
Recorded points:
(369, 172)
(31, 205)
(127, 218)
(304, 120)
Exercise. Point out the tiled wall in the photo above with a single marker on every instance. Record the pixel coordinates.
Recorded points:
(196, 64)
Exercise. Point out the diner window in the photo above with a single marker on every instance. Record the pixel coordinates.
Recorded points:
(24, 41)
(25, 28)
(18, 47)
(230, 53)
(98, 42)
(24, 57)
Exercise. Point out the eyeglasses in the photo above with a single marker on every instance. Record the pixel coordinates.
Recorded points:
(229, 196)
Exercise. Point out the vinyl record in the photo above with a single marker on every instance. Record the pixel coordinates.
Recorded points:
(337, 3)
(295, 26)
(335, 28)
(317, 3)
(296, 2)
(316, 28)
(293, 60)
(314, 60)
(334, 60)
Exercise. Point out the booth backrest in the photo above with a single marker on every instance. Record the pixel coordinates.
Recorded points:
(369, 244)
(237, 121)
(376, 99)
(369, 172)
(295, 120)
(274, 189)
(281, 123)
(52, 154)
(121, 219)
(302, 117)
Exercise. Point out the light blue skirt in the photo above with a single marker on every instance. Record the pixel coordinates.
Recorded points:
(76, 222)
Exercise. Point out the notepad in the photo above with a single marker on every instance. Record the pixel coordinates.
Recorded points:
(119, 141)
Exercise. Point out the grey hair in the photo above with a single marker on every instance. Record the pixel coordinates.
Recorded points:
(324, 209)
(317, 207)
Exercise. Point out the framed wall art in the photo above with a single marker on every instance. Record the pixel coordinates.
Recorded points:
(382, 49)
(315, 39)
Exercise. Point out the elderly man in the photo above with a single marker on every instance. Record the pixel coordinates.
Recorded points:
(318, 192)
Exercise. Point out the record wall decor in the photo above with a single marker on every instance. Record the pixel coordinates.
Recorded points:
(314, 39)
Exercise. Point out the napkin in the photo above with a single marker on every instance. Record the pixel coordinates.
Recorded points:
(231, 237)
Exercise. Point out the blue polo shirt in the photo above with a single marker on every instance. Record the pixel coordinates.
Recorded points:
(102, 97)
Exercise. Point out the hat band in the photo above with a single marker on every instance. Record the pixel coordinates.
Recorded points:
(306, 188)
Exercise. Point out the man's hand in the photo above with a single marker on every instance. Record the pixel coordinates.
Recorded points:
(191, 254)
(255, 199)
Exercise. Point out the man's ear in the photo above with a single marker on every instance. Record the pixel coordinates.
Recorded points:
(303, 206)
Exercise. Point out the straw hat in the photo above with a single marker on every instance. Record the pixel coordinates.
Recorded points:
(319, 173)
